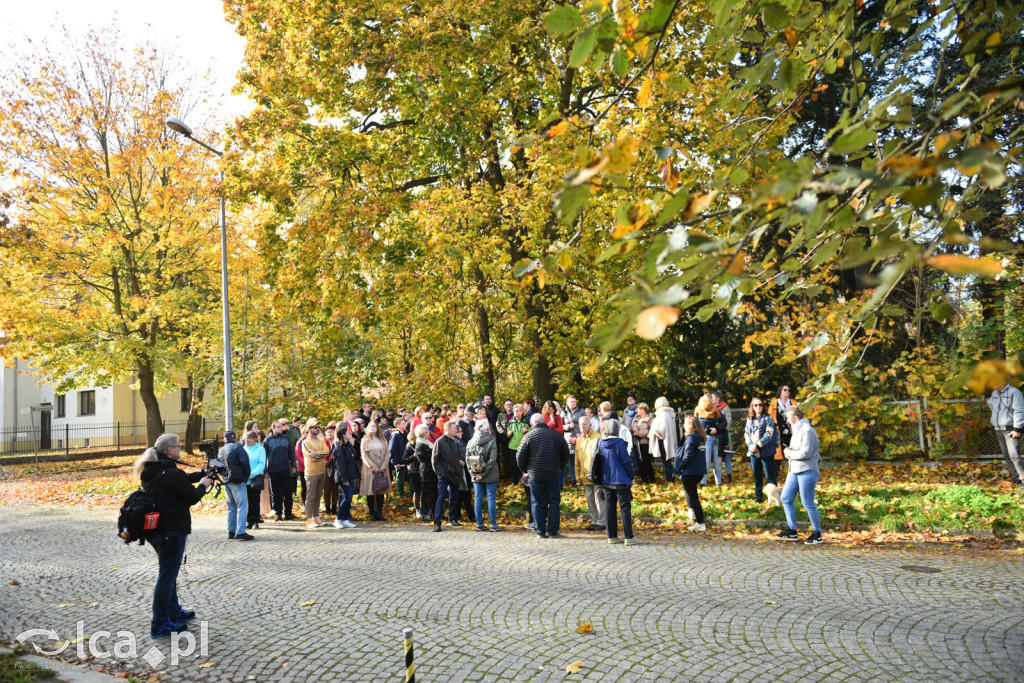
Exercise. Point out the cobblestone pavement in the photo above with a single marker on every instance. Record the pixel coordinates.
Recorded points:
(506, 606)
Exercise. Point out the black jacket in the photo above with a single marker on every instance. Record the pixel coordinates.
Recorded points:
(172, 488)
(410, 460)
(543, 453)
(424, 453)
(280, 454)
(343, 463)
(234, 456)
(446, 458)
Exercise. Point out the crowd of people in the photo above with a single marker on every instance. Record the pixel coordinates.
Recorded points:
(448, 460)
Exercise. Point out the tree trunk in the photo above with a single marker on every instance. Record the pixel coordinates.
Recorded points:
(147, 391)
(484, 328)
(195, 422)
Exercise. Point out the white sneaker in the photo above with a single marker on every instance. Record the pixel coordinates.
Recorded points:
(320, 522)
(338, 524)
(419, 515)
(311, 524)
(531, 526)
(348, 524)
(698, 527)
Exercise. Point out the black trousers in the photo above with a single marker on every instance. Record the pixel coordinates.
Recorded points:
(281, 487)
(691, 482)
(253, 494)
(646, 463)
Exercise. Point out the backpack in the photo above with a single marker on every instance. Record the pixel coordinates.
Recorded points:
(138, 514)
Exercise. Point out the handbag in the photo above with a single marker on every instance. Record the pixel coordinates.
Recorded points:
(257, 483)
(596, 472)
(380, 482)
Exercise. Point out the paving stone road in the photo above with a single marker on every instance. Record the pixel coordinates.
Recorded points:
(490, 607)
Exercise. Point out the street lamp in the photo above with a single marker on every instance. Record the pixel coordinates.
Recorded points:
(179, 126)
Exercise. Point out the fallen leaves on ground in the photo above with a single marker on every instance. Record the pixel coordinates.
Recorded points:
(575, 667)
(585, 627)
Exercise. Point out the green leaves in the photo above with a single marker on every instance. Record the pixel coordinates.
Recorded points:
(563, 20)
(583, 47)
(853, 140)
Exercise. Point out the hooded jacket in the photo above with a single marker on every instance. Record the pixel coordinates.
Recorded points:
(484, 447)
(616, 465)
(1007, 406)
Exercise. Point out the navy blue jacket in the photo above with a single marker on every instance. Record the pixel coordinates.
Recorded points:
(690, 459)
(234, 456)
(718, 423)
(616, 465)
(280, 453)
(397, 447)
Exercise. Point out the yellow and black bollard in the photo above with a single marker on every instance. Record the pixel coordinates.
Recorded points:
(410, 665)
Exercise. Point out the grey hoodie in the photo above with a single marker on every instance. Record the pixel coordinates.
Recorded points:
(803, 453)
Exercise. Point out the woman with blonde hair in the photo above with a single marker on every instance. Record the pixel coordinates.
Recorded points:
(376, 480)
(172, 489)
(715, 427)
(691, 466)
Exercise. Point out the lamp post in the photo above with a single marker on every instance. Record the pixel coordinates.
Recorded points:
(179, 126)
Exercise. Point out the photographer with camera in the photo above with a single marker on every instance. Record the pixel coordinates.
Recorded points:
(237, 460)
(172, 489)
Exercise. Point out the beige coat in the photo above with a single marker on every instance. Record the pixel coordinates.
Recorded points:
(664, 434)
(375, 457)
(586, 446)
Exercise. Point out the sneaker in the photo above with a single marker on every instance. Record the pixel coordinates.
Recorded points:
(419, 515)
(814, 539)
(698, 527)
(613, 541)
(787, 535)
(338, 524)
(320, 522)
(231, 534)
(531, 526)
(169, 628)
(310, 524)
(437, 527)
(244, 537)
(495, 529)
(347, 523)
(631, 541)
(185, 616)
(481, 528)
(455, 523)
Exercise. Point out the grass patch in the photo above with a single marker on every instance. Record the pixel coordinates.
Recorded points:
(13, 670)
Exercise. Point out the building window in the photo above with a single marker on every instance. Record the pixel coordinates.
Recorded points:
(87, 402)
(186, 400)
(61, 405)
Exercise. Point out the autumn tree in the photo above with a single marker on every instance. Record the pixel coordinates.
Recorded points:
(110, 253)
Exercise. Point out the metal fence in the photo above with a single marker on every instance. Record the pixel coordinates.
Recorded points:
(901, 429)
(69, 437)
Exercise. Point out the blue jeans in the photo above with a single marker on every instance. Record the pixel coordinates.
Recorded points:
(446, 490)
(547, 501)
(238, 507)
(765, 468)
(170, 549)
(805, 481)
(345, 504)
(713, 458)
(490, 491)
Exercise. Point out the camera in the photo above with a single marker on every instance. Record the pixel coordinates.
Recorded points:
(214, 468)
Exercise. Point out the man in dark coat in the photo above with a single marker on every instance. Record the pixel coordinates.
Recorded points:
(448, 464)
(543, 454)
